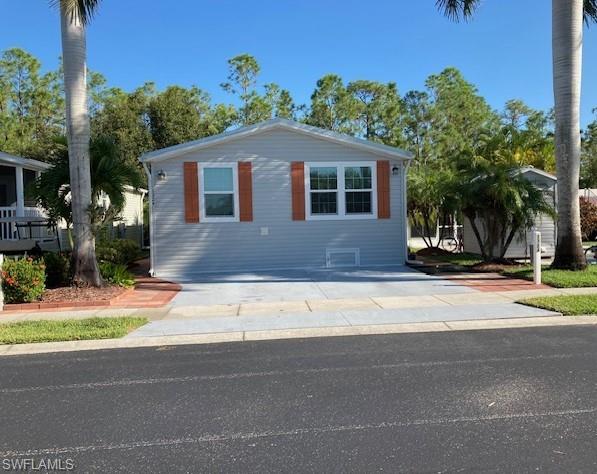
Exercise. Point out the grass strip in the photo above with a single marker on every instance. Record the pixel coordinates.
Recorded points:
(23, 332)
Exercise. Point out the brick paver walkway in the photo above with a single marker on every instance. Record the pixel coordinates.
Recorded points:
(491, 282)
(148, 293)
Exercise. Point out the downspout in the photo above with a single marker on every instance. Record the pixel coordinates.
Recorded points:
(405, 167)
(147, 169)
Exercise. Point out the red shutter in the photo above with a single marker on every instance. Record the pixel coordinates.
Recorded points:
(297, 178)
(245, 191)
(191, 192)
(383, 189)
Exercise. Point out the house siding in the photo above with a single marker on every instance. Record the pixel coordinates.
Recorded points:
(182, 250)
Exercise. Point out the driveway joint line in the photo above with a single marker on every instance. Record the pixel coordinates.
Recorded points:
(375, 302)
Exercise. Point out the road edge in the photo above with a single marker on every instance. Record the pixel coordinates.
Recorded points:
(243, 336)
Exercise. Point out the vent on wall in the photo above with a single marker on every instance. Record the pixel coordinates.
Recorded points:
(342, 258)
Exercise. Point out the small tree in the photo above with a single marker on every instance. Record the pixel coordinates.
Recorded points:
(110, 174)
(430, 200)
(499, 203)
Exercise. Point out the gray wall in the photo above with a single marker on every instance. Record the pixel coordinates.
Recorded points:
(182, 250)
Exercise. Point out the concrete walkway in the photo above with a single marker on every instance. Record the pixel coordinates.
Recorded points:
(344, 318)
(451, 303)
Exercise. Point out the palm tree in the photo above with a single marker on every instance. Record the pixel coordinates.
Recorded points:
(567, 32)
(110, 175)
(74, 16)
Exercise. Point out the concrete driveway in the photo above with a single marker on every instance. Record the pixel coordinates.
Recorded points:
(301, 285)
(266, 303)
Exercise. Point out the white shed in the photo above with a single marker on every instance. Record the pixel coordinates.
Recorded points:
(544, 224)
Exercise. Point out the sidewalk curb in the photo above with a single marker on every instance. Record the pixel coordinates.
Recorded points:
(211, 338)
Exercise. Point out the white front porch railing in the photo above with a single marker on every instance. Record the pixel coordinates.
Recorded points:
(8, 230)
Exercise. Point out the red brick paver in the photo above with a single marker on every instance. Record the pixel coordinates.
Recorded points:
(489, 282)
(147, 293)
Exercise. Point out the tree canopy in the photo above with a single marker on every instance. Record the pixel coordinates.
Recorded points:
(444, 121)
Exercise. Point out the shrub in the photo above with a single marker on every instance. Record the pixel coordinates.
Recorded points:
(23, 280)
(120, 251)
(117, 274)
(588, 219)
(58, 269)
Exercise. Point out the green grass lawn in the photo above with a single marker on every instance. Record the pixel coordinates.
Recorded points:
(23, 332)
(559, 278)
(572, 305)
(463, 259)
(589, 243)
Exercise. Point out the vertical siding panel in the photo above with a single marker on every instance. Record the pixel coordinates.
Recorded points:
(297, 171)
(191, 192)
(383, 189)
(245, 191)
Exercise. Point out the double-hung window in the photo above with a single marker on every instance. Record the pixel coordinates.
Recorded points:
(341, 190)
(219, 193)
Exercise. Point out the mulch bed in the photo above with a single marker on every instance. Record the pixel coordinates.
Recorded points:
(493, 267)
(432, 252)
(73, 294)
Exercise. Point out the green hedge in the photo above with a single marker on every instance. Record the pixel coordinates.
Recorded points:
(117, 274)
(58, 269)
(118, 251)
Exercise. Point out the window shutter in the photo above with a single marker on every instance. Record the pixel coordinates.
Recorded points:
(297, 178)
(245, 191)
(383, 189)
(191, 192)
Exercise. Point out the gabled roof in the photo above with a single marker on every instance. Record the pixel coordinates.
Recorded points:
(532, 169)
(28, 163)
(277, 123)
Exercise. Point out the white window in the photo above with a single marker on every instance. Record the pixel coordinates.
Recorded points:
(341, 190)
(219, 192)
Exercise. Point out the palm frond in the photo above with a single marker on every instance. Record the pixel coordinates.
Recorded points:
(590, 11)
(457, 10)
(82, 10)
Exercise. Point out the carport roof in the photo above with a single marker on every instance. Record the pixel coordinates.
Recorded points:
(277, 123)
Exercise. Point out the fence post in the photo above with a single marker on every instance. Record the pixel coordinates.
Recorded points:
(537, 257)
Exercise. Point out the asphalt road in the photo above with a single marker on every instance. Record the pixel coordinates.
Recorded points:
(504, 400)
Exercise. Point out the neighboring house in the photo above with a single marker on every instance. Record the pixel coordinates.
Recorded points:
(275, 195)
(17, 174)
(519, 248)
(18, 208)
(129, 224)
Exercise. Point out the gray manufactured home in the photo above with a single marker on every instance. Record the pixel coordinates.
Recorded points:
(275, 195)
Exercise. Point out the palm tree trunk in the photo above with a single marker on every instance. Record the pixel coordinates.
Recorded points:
(567, 33)
(78, 134)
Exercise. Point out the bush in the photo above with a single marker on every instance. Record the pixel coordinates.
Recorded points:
(58, 269)
(588, 219)
(120, 251)
(23, 280)
(117, 274)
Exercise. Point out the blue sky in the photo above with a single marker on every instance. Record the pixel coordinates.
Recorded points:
(505, 50)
